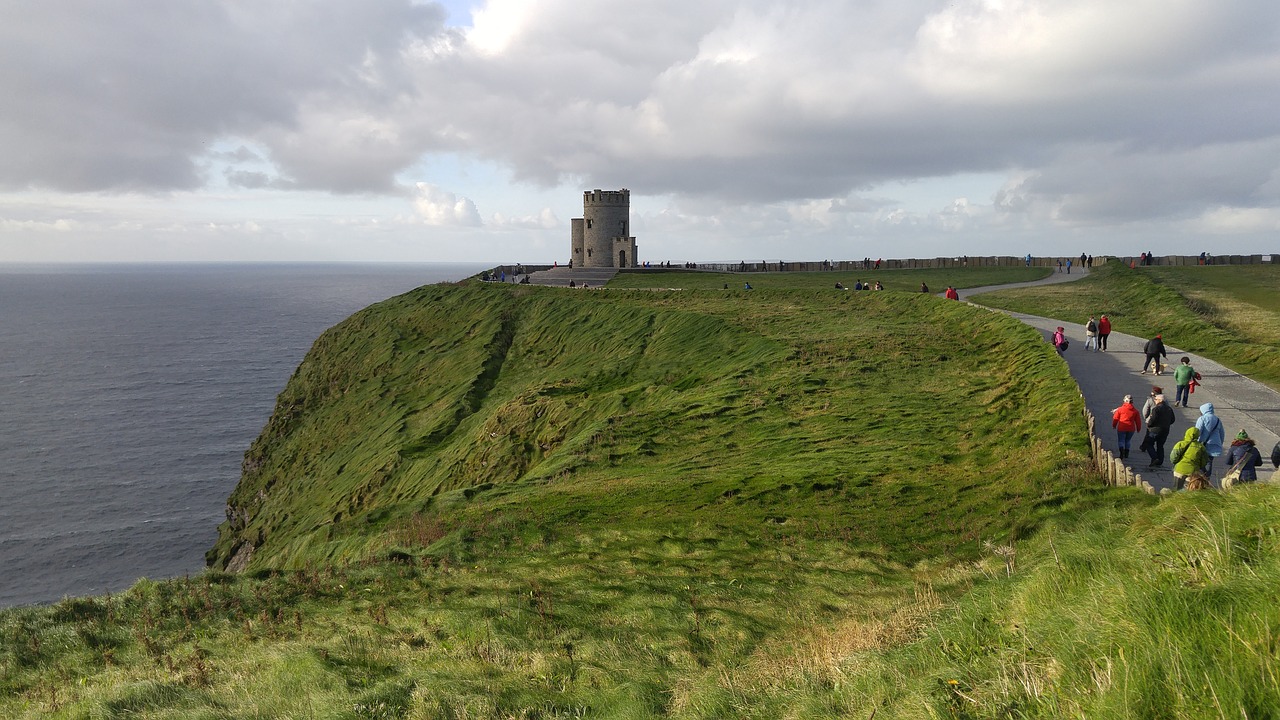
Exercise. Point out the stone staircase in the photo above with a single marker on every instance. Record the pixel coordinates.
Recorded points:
(561, 277)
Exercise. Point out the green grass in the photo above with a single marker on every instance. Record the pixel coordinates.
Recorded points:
(600, 409)
(897, 280)
(1163, 613)
(1228, 313)
(512, 502)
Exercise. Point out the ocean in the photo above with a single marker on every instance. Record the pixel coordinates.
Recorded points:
(128, 395)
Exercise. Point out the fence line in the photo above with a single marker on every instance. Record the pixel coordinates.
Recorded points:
(867, 265)
(1105, 462)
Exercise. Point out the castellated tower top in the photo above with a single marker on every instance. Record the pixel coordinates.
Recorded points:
(606, 197)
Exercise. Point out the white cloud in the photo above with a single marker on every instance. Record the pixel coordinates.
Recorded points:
(8, 225)
(438, 207)
(544, 220)
(1235, 220)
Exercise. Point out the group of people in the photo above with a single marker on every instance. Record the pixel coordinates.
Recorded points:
(1096, 333)
(1200, 447)
(1202, 444)
(859, 285)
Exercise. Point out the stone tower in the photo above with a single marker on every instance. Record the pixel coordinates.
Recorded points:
(602, 236)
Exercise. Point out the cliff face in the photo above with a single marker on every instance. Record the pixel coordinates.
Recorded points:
(412, 402)
(460, 412)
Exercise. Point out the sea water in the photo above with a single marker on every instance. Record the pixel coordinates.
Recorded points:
(128, 395)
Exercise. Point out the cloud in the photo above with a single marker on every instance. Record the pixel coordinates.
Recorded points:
(438, 207)
(790, 118)
(1234, 220)
(8, 225)
(545, 220)
(108, 96)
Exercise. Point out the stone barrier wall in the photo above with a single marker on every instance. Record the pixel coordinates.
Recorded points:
(870, 265)
(964, 261)
(1207, 260)
(853, 266)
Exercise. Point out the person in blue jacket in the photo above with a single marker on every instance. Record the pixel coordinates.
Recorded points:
(1211, 434)
(1244, 452)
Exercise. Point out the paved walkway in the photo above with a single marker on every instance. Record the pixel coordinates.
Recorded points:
(1106, 377)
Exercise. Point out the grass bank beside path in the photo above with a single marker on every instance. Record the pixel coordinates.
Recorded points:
(1229, 313)
(498, 502)
(901, 280)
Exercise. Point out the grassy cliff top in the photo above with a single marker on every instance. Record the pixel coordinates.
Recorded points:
(486, 501)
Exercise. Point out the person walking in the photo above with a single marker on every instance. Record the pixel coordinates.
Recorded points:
(951, 293)
(1183, 376)
(1104, 329)
(1151, 401)
(1159, 421)
(1188, 457)
(1059, 339)
(1154, 350)
(1211, 434)
(1091, 334)
(1244, 452)
(1126, 420)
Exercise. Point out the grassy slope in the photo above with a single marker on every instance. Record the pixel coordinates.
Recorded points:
(755, 505)
(1228, 313)
(497, 393)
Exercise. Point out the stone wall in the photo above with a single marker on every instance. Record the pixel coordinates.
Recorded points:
(955, 262)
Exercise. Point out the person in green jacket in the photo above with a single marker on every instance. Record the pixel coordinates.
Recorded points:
(1182, 377)
(1188, 457)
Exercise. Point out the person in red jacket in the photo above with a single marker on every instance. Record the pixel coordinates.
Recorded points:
(1104, 329)
(1126, 420)
(951, 293)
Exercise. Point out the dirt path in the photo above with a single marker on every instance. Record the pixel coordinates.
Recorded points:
(1106, 377)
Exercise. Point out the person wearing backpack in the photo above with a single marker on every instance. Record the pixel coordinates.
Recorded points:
(1211, 434)
(1188, 457)
(1244, 452)
(1091, 334)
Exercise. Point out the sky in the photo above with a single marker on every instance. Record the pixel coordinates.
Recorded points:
(396, 130)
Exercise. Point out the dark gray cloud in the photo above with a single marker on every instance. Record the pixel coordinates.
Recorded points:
(127, 97)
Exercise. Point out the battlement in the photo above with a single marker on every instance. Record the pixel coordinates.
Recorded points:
(593, 198)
